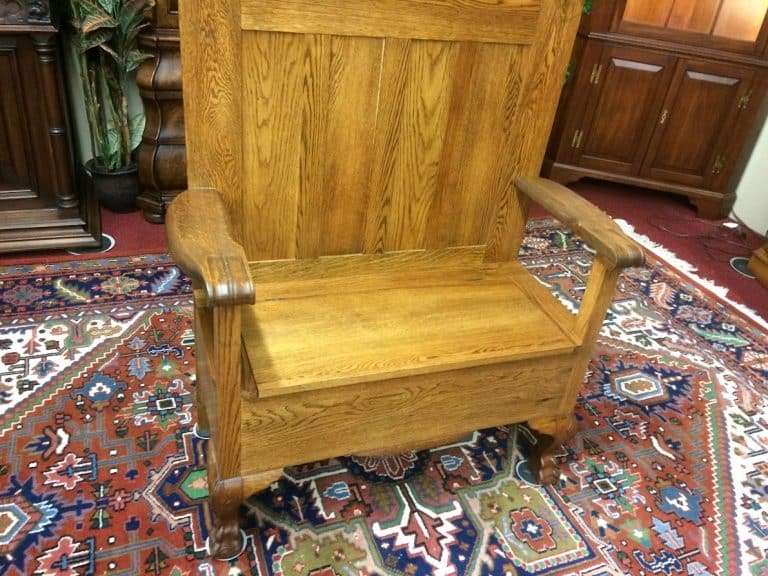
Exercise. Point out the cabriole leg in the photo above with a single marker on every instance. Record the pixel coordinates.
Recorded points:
(550, 434)
(226, 540)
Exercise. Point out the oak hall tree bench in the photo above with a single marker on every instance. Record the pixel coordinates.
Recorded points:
(360, 173)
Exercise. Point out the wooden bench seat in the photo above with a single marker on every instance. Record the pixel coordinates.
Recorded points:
(359, 175)
(347, 323)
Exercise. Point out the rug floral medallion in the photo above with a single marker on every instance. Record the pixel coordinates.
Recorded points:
(102, 472)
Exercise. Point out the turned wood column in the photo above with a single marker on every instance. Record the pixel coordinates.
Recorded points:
(162, 154)
(58, 139)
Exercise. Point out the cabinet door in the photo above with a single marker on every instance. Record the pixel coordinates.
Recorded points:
(39, 203)
(627, 88)
(16, 175)
(699, 114)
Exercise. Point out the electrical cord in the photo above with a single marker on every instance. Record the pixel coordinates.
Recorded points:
(716, 239)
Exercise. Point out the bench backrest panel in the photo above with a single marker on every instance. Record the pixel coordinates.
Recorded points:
(364, 126)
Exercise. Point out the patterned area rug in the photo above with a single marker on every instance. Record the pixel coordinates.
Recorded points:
(101, 471)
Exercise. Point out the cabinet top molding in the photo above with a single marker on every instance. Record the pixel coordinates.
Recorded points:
(18, 12)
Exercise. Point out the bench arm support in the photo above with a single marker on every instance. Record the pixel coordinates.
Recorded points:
(579, 215)
(201, 243)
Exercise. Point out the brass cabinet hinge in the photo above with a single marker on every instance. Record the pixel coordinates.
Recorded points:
(664, 116)
(719, 164)
(576, 140)
(744, 101)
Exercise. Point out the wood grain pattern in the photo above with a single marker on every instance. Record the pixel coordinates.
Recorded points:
(309, 334)
(200, 238)
(584, 218)
(540, 77)
(372, 417)
(313, 108)
(359, 144)
(505, 21)
(448, 260)
(380, 220)
(414, 99)
(226, 369)
(272, 81)
(462, 210)
(601, 286)
(212, 100)
(332, 218)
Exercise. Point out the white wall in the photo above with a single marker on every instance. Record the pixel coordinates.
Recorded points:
(752, 193)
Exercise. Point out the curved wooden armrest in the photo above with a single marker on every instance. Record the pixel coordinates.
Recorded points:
(581, 216)
(200, 241)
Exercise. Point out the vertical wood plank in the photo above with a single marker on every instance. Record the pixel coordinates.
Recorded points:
(212, 100)
(462, 210)
(542, 74)
(313, 120)
(272, 141)
(406, 170)
(394, 70)
(426, 116)
(225, 339)
(334, 220)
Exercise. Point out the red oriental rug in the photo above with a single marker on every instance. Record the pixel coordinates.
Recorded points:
(101, 471)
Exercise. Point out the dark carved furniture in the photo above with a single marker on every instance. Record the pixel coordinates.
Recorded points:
(665, 94)
(162, 158)
(359, 180)
(40, 205)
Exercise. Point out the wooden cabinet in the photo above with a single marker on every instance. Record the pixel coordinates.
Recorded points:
(626, 88)
(692, 132)
(40, 204)
(666, 95)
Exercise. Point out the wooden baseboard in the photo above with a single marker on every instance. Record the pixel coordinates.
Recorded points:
(758, 264)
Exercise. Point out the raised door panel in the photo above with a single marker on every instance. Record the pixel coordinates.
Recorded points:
(16, 176)
(627, 89)
(693, 128)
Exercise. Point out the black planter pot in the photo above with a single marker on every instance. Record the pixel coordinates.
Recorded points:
(116, 191)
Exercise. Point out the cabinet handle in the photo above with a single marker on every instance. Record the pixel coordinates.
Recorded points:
(576, 140)
(594, 78)
(744, 101)
(717, 168)
(664, 116)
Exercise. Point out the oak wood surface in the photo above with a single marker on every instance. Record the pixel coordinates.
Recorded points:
(200, 239)
(503, 21)
(313, 333)
(212, 99)
(415, 411)
(377, 167)
(533, 87)
(584, 218)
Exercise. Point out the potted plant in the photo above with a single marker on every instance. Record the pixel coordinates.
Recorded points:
(106, 39)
